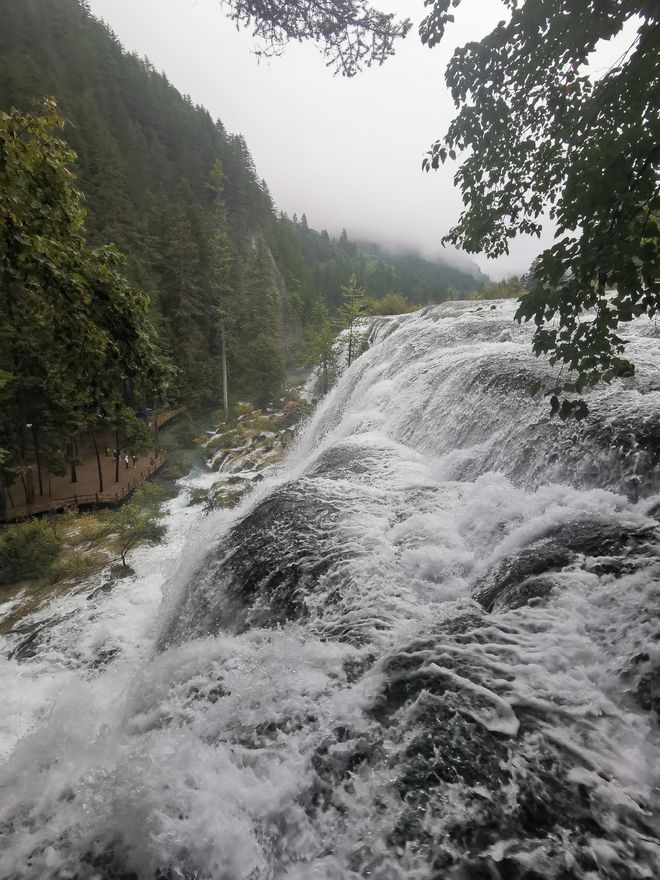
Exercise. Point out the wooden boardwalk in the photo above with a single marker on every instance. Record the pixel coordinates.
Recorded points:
(129, 480)
(60, 492)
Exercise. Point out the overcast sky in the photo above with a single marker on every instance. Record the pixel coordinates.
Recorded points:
(347, 152)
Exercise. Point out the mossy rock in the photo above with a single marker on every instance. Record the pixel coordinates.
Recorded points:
(198, 497)
(258, 424)
(242, 409)
(227, 439)
(225, 499)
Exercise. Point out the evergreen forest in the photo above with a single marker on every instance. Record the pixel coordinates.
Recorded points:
(180, 197)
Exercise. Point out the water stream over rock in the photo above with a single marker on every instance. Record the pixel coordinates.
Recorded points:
(427, 647)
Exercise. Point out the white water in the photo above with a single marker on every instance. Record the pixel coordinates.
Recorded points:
(320, 695)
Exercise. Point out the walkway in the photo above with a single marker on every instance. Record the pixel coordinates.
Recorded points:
(60, 492)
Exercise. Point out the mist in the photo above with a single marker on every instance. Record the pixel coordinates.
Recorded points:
(346, 152)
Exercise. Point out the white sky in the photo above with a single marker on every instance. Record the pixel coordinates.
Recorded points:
(347, 152)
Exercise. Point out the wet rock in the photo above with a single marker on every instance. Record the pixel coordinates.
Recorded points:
(28, 648)
(293, 406)
(342, 460)
(516, 579)
(105, 657)
(121, 571)
(515, 595)
(641, 674)
(268, 565)
(478, 798)
(513, 570)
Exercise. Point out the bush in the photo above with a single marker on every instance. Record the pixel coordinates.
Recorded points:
(152, 494)
(137, 522)
(393, 304)
(74, 564)
(27, 550)
(241, 409)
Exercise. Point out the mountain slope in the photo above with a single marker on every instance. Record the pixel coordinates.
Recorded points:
(180, 196)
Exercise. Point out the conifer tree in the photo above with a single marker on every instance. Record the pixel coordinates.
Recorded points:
(353, 307)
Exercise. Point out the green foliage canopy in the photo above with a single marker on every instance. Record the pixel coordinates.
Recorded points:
(27, 550)
(72, 328)
(542, 135)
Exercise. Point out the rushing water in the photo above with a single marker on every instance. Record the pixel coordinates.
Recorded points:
(429, 647)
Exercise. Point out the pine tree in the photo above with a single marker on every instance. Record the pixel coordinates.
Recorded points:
(353, 308)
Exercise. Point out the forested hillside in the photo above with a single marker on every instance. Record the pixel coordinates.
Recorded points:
(181, 198)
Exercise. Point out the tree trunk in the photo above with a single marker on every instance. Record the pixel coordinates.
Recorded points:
(98, 459)
(117, 456)
(225, 391)
(25, 474)
(37, 453)
(3, 500)
(26, 487)
(156, 426)
(72, 461)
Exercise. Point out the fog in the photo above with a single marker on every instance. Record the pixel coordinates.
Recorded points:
(346, 152)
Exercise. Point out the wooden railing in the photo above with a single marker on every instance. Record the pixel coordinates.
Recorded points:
(52, 505)
(166, 415)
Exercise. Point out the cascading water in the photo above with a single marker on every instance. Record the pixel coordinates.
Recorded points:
(428, 648)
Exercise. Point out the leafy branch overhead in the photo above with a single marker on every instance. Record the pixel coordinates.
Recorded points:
(351, 33)
(544, 137)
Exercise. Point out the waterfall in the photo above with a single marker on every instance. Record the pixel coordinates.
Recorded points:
(428, 647)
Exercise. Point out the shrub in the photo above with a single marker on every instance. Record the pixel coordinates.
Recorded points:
(393, 304)
(74, 564)
(138, 521)
(27, 551)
